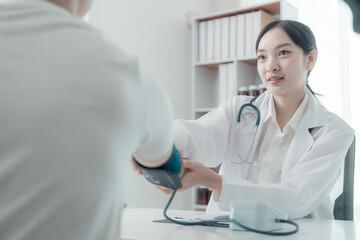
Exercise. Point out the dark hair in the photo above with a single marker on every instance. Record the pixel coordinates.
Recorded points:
(299, 33)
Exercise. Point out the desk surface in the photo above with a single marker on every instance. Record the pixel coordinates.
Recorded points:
(137, 223)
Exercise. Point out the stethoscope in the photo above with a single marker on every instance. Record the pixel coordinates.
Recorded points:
(245, 124)
(250, 104)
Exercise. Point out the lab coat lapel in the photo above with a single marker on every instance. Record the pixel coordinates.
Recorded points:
(262, 104)
(300, 144)
(314, 116)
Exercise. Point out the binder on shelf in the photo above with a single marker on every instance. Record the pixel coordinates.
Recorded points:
(225, 34)
(227, 81)
(231, 84)
(240, 35)
(217, 40)
(210, 40)
(223, 88)
(202, 41)
(260, 20)
(232, 36)
(249, 32)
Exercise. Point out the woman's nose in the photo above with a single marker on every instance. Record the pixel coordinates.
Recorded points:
(272, 66)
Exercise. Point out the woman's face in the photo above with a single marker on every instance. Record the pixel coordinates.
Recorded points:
(282, 65)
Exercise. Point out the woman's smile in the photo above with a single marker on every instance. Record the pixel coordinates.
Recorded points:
(275, 79)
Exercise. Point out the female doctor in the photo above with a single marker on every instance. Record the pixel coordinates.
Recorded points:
(292, 157)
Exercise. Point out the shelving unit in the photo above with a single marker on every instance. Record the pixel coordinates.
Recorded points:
(206, 83)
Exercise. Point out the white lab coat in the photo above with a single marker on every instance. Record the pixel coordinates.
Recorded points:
(73, 109)
(310, 168)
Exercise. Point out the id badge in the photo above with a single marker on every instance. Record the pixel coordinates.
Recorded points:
(246, 131)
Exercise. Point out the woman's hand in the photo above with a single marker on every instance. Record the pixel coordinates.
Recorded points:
(193, 173)
(196, 174)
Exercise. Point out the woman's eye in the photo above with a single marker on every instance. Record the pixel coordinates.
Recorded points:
(283, 52)
(261, 57)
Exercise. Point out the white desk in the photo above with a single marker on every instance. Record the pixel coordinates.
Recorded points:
(137, 224)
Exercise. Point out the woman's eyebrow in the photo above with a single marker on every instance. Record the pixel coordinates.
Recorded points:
(277, 47)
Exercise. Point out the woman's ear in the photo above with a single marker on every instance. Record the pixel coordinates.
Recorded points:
(311, 59)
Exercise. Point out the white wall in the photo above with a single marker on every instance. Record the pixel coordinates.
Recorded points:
(156, 31)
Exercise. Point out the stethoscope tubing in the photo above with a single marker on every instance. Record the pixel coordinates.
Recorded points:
(250, 104)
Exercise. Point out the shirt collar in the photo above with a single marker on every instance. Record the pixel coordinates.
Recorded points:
(271, 110)
(294, 121)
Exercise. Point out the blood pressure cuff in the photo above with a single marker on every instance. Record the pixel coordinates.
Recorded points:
(166, 175)
(173, 164)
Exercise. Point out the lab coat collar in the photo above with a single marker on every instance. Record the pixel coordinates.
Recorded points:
(314, 117)
(296, 118)
(315, 114)
(262, 103)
